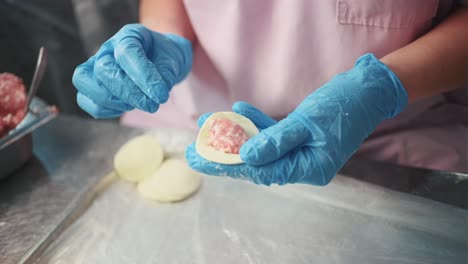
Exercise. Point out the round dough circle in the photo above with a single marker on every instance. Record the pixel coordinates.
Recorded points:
(138, 158)
(174, 181)
(211, 154)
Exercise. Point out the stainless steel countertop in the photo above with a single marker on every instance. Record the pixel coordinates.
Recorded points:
(72, 155)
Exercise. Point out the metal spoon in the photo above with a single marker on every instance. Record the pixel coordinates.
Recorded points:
(38, 74)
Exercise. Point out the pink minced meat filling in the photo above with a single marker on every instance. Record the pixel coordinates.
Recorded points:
(12, 102)
(226, 136)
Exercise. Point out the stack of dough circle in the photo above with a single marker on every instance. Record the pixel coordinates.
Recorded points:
(138, 158)
(174, 181)
(141, 160)
(208, 152)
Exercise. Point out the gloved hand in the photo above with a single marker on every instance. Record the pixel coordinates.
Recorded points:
(313, 142)
(136, 68)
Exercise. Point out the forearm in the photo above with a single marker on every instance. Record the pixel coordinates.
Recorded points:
(166, 16)
(436, 62)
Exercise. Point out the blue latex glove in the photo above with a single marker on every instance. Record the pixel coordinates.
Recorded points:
(313, 142)
(136, 68)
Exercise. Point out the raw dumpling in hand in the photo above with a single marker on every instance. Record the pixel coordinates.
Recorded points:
(222, 135)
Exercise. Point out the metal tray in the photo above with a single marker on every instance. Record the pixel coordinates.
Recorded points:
(16, 147)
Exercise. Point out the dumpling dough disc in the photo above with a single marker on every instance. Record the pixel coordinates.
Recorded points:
(211, 154)
(174, 181)
(138, 158)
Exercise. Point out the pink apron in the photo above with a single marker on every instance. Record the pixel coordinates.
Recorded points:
(273, 53)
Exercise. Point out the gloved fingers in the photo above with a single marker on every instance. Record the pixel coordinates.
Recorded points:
(172, 54)
(260, 119)
(131, 57)
(237, 171)
(182, 52)
(168, 60)
(274, 142)
(109, 73)
(302, 165)
(95, 110)
(305, 165)
(86, 83)
(202, 119)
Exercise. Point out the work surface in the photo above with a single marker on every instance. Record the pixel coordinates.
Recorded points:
(397, 215)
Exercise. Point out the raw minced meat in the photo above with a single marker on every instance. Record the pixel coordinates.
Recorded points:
(12, 102)
(226, 136)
